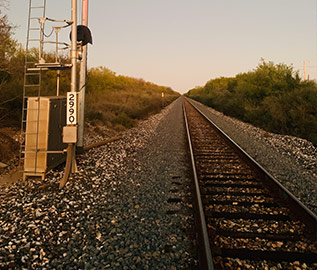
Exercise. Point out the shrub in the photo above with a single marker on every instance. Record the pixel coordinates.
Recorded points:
(271, 97)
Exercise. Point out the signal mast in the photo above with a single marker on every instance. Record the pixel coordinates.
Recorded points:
(50, 123)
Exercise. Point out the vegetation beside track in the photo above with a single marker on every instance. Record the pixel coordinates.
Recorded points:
(117, 100)
(272, 97)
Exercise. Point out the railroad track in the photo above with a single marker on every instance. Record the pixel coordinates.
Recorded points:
(246, 219)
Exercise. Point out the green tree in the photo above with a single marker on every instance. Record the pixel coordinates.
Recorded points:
(8, 68)
(272, 96)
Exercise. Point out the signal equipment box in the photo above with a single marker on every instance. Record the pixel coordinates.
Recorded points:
(44, 147)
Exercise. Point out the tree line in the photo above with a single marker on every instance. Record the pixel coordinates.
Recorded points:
(272, 97)
(121, 100)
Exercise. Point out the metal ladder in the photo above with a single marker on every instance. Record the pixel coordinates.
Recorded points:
(33, 76)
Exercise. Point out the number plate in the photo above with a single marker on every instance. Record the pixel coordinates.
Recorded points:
(71, 108)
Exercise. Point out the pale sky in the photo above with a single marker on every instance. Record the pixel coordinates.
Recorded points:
(185, 43)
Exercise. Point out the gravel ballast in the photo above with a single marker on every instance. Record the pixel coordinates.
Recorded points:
(290, 160)
(128, 207)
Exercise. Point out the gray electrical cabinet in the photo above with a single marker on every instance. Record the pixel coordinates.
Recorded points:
(44, 147)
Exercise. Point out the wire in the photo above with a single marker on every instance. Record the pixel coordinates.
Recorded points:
(49, 33)
(82, 87)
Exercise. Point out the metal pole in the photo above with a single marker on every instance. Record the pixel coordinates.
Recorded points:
(74, 46)
(74, 67)
(71, 153)
(82, 81)
(57, 29)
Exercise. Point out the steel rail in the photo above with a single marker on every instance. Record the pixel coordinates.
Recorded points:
(205, 254)
(278, 190)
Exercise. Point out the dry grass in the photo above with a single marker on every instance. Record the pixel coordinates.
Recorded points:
(119, 101)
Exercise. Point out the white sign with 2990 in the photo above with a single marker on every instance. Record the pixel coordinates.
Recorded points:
(71, 108)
